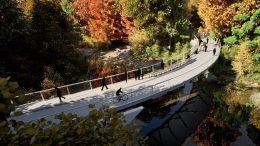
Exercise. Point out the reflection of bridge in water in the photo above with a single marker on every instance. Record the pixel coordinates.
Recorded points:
(180, 120)
(156, 82)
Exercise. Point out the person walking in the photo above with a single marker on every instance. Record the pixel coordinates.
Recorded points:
(197, 50)
(135, 74)
(58, 92)
(206, 48)
(214, 51)
(126, 76)
(200, 41)
(138, 73)
(104, 83)
(207, 40)
(162, 65)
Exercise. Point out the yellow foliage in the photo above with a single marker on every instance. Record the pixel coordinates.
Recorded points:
(218, 15)
(88, 40)
(29, 8)
(191, 4)
(47, 84)
(255, 118)
(243, 63)
(139, 38)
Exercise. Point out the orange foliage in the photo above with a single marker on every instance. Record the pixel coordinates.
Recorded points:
(102, 20)
(21, 3)
(218, 14)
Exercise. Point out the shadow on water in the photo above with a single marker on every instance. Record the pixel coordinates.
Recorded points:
(170, 119)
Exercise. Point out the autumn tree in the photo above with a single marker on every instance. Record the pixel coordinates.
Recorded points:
(255, 117)
(243, 62)
(248, 30)
(67, 7)
(102, 20)
(218, 15)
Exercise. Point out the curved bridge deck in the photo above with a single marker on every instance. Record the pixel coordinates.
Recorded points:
(138, 90)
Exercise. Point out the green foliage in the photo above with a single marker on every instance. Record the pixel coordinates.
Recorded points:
(248, 28)
(228, 53)
(244, 43)
(70, 11)
(257, 30)
(241, 17)
(212, 35)
(11, 23)
(237, 5)
(231, 40)
(46, 38)
(67, 7)
(165, 21)
(256, 56)
(8, 92)
(232, 118)
(102, 127)
(157, 52)
(253, 44)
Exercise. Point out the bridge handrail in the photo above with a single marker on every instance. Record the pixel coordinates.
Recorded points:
(50, 89)
(152, 86)
(172, 77)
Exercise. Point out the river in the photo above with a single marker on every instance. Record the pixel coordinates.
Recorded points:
(171, 119)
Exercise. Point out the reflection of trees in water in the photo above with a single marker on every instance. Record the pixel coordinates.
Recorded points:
(155, 108)
(156, 137)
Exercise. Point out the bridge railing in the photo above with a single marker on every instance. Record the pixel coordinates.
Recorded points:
(91, 84)
(137, 94)
(134, 96)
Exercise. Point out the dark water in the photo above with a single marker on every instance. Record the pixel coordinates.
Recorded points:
(169, 123)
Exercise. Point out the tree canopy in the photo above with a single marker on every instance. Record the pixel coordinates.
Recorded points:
(102, 126)
(218, 15)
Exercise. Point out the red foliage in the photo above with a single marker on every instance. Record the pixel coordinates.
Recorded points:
(104, 22)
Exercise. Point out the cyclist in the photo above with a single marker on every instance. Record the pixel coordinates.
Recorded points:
(118, 93)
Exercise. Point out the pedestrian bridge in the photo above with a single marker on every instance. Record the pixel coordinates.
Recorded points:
(156, 82)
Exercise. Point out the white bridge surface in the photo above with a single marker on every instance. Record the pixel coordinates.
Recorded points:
(138, 90)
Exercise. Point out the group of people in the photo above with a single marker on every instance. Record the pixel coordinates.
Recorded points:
(205, 46)
(138, 72)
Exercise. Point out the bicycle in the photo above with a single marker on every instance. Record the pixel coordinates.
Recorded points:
(120, 97)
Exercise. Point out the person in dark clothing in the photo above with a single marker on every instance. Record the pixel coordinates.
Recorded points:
(207, 40)
(214, 51)
(126, 76)
(162, 65)
(138, 73)
(104, 83)
(119, 92)
(200, 41)
(196, 52)
(135, 74)
(206, 48)
(59, 93)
